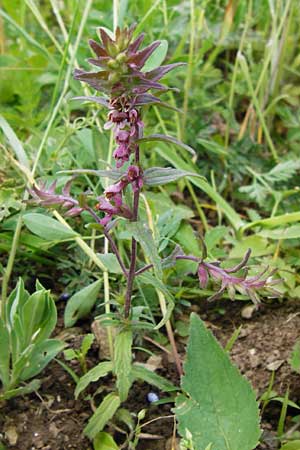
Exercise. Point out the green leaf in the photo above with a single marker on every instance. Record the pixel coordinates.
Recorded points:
(87, 343)
(259, 247)
(293, 445)
(123, 362)
(142, 233)
(110, 261)
(14, 142)
(295, 358)
(4, 354)
(47, 228)
(99, 371)
(104, 441)
(168, 140)
(81, 303)
(102, 415)
(157, 57)
(156, 176)
(220, 406)
(213, 147)
(142, 373)
(30, 387)
(274, 221)
(39, 357)
(292, 232)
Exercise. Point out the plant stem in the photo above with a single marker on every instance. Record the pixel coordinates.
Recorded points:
(131, 274)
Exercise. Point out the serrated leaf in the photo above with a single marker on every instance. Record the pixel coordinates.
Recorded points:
(81, 303)
(123, 362)
(99, 371)
(157, 57)
(142, 233)
(221, 408)
(104, 441)
(102, 415)
(167, 139)
(47, 228)
(156, 176)
(142, 373)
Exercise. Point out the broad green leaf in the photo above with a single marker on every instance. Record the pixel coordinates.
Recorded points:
(40, 357)
(293, 445)
(156, 176)
(14, 142)
(102, 415)
(123, 362)
(187, 239)
(220, 407)
(110, 262)
(81, 303)
(142, 373)
(214, 236)
(259, 247)
(157, 57)
(292, 232)
(295, 358)
(177, 161)
(47, 228)
(167, 139)
(142, 233)
(99, 371)
(104, 441)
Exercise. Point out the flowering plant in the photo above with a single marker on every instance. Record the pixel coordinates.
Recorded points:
(126, 85)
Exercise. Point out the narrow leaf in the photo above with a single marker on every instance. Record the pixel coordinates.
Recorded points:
(156, 176)
(81, 303)
(97, 372)
(220, 406)
(142, 373)
(141, 232)
(157, 57)
(168, 140)
(102, 415)
(122, 362)
(14, 143)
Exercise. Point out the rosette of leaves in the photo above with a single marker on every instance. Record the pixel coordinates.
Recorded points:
(25, 347)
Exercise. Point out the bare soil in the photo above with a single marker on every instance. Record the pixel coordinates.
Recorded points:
(53, 420)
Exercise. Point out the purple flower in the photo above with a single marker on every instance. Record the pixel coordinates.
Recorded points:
(47, 197)
(232, 283)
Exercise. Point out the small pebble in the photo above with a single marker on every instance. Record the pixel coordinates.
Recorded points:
(152, 397)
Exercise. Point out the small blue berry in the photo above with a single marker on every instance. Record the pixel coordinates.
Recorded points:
(64, 296)
(152, 397)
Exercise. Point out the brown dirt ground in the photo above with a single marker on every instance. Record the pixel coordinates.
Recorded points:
(53, 420)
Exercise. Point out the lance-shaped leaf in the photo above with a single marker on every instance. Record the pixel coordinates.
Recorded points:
(167, 139)
(113, 174)
(149, 99)
(141, 232)
(102, 415)
(156, 176)
(157, 56)
(100, 100)
(220, 406)
(122, 362)
(142, 373)
(97, 372)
